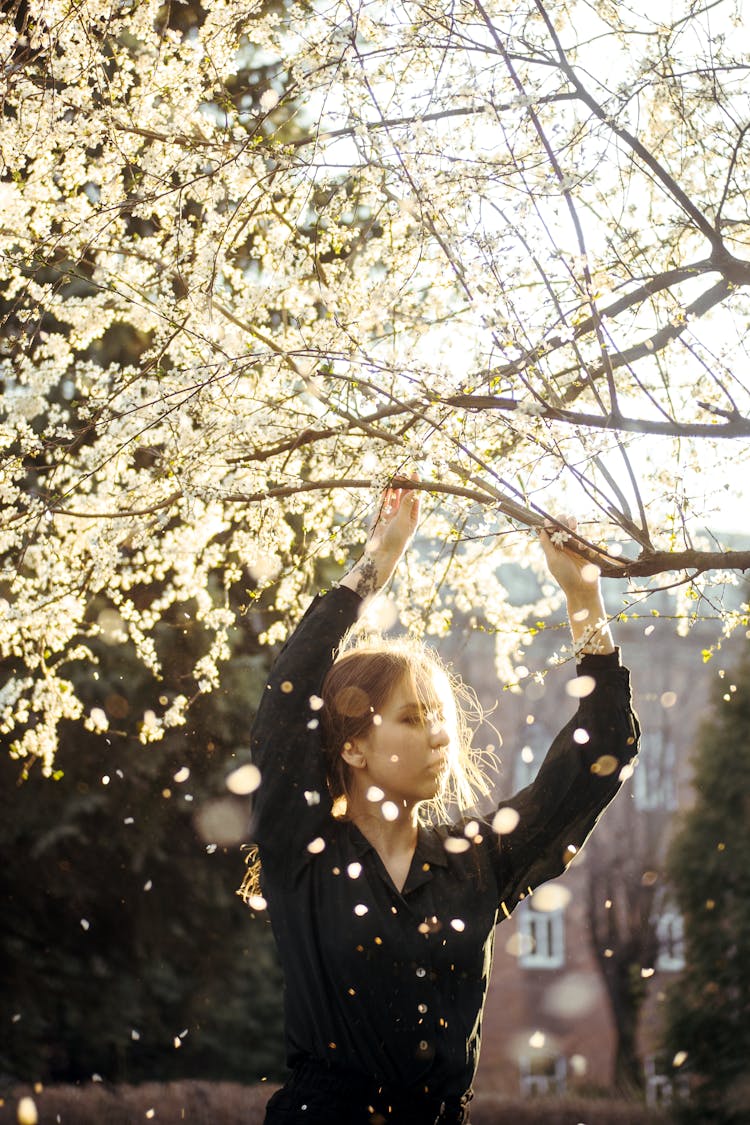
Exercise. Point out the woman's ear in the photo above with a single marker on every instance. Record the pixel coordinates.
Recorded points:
(353, 754)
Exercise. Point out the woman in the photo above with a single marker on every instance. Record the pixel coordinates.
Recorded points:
(385, 924)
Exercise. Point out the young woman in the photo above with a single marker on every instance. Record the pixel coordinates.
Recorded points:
(385, 920)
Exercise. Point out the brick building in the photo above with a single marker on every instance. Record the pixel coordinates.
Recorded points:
(549, 1022)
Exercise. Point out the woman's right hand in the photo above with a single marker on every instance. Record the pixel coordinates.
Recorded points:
(396, 521)
(391, 531)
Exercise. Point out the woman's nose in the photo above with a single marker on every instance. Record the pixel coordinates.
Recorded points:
(438, 735)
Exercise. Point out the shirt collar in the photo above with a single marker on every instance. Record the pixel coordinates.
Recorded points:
(429, 847)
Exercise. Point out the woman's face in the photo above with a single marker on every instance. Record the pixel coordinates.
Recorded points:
(405, 751)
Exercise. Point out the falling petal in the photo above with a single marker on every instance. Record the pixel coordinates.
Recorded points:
(537, 1039)
(389, 810)
(680, 1058)
(317, 845)
(604, 765)
(312, 796)
(222, 821)
(26, 1111)
(580, 736)
(374, 793)
(315, 703)
(354, 870)
(579, 1065)
(580, 687)
(182, 774)
(456, 844)
(550, 897)
(505, 820)
(244, 780)
(573, 996)
(352, 702)
(360, 909)
(458, 924)
(383, 614)
(519, 945)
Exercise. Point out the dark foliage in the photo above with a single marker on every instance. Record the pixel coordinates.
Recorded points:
(125, 951)
(709, 1008)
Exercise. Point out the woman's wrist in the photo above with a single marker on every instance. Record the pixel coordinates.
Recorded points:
(588, 621)
(369, 574)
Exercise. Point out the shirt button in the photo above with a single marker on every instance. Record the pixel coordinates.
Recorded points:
(421, 972)
(423, 1044)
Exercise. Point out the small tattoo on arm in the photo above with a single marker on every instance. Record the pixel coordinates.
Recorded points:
(367, 577)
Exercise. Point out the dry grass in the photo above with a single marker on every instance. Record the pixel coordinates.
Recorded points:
(167, 1103)
(228, 1103)
(492, 1109)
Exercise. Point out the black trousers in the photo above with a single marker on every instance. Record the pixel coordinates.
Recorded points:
(320, 1095)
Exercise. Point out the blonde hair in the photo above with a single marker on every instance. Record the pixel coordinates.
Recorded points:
(356, 687)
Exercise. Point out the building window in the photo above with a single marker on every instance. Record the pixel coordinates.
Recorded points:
(663, 1085)
(542, 937)
(542, 1073)
(654, 783)
(670, 934)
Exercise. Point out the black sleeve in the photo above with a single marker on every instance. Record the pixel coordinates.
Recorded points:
(577, 779)
(292, 804)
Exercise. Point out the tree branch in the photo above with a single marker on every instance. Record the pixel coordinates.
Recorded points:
(648, 563)
(736, 427)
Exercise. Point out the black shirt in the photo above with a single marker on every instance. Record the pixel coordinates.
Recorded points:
(390, 984)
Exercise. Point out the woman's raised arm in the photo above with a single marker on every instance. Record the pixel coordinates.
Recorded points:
(579, 580)
(292, 805)
(392, 530)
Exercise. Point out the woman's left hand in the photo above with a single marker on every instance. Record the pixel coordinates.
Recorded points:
(573, 573)
(579, 579)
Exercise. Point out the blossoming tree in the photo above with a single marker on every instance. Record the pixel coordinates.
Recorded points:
(257, 258)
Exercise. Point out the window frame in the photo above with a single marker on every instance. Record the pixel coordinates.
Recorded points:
(548, 953)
